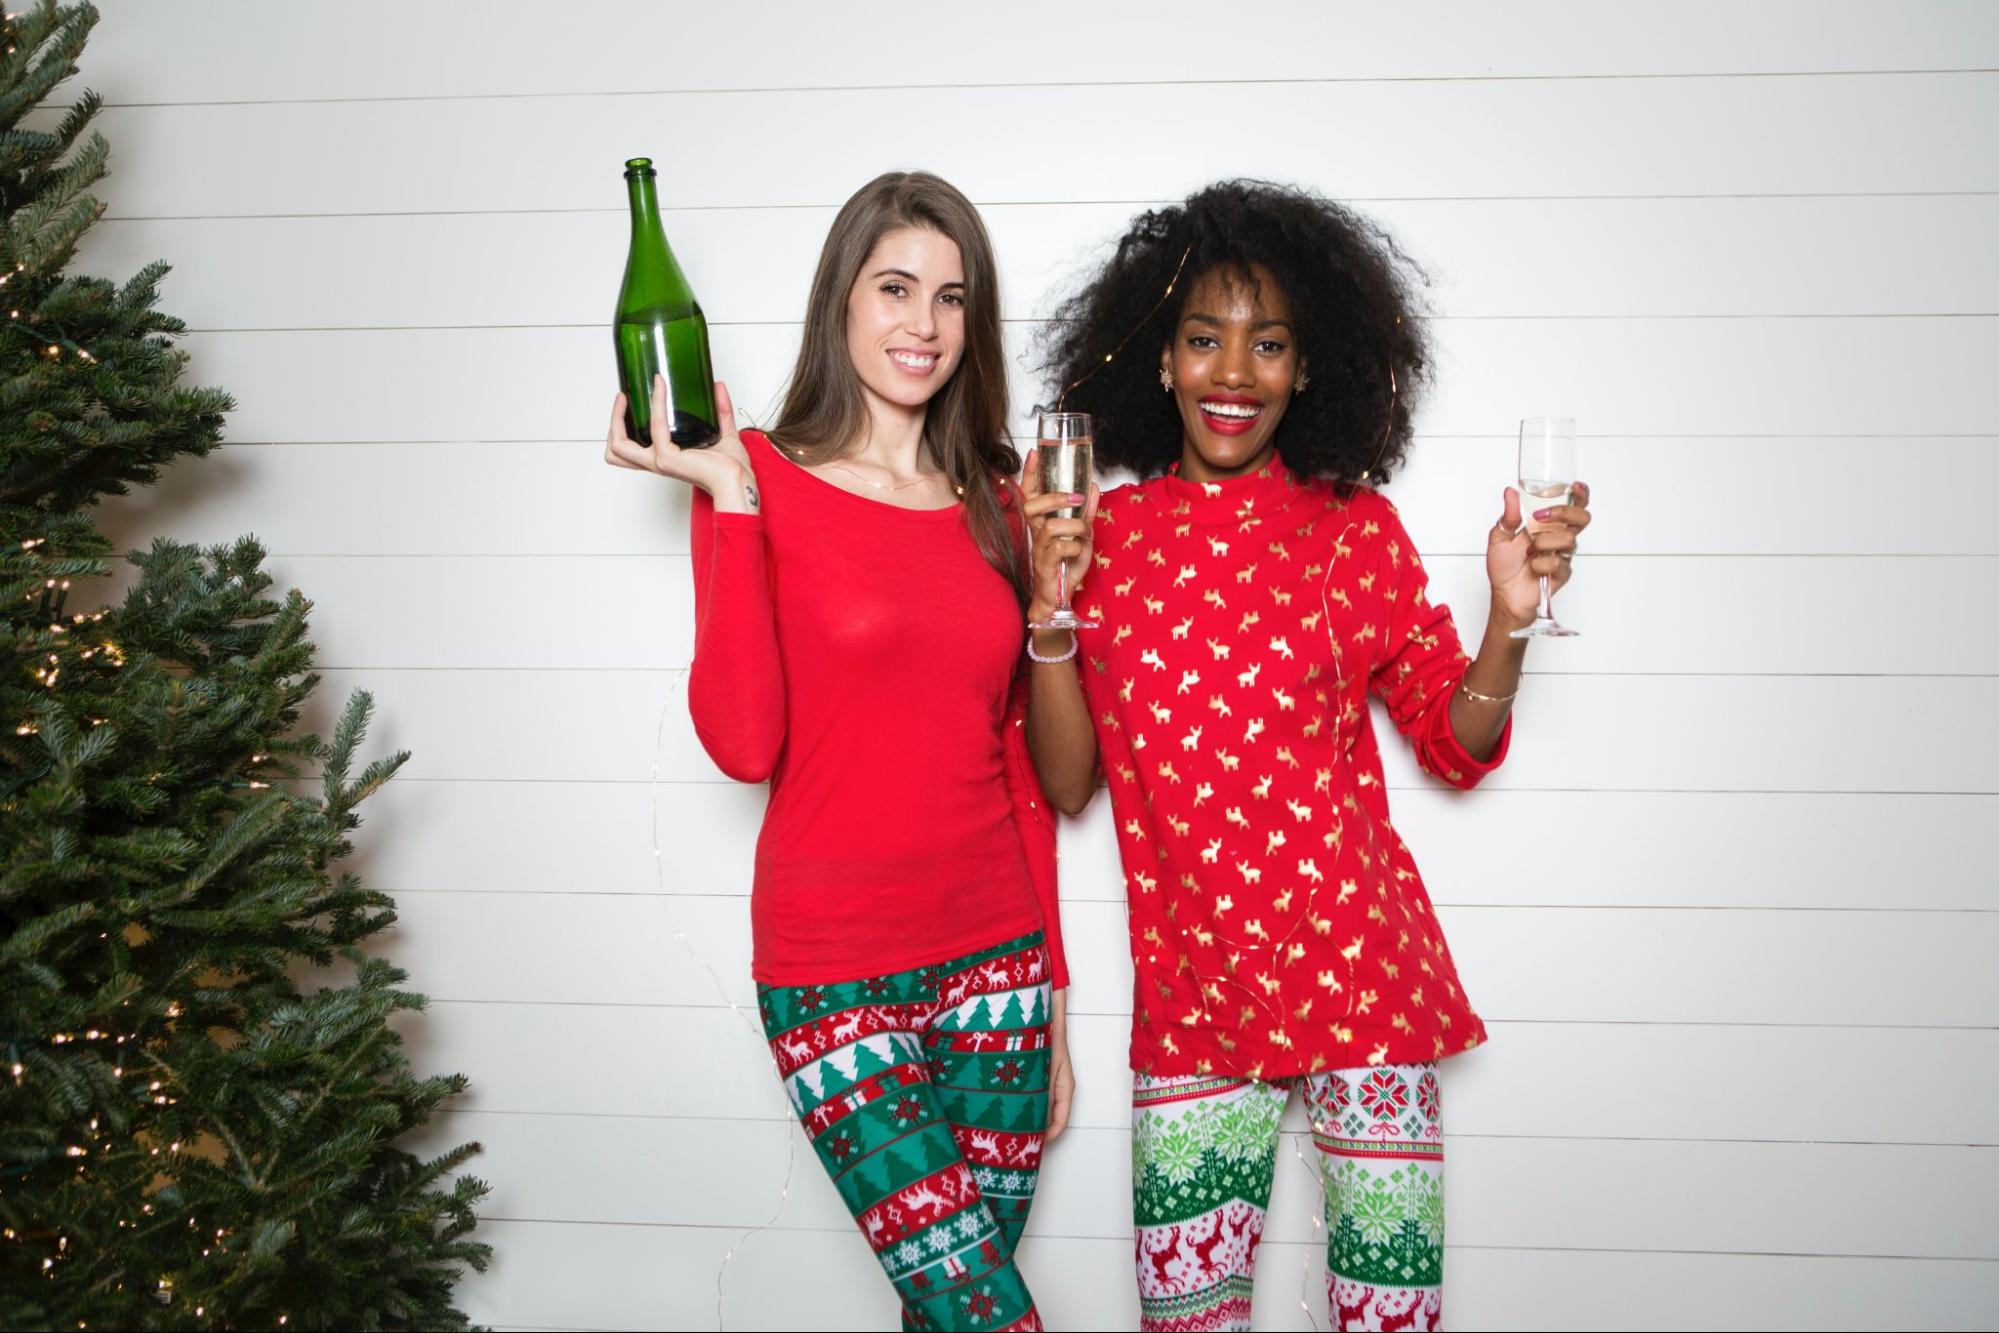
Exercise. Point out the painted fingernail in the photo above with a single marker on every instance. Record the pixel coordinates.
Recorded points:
(1542, 513)
(1076, 499)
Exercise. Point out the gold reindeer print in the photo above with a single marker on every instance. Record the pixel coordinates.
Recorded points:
(1282, 647)
(1185, 576)
(1273, 840)
(1247, 574)
(1123, 633)
(1192, 740)
(1249, 618)
(1155, 556)
(1248, 677)
(1219, 649)
(1180, 630)
(1261, 791)
(1284, 755)
(1166, 771)
(1212, 853)
(1124, 690)
(1281, 597)
(1285, 702)
(1229, 762)
(1299, 810)
(1202, 793)
(1220, 705)
(1180, 827)
(1235, 816)
(1251, 731)
(1150, 657)
(1217, 547)
(1154, 605)
(1124, 589)
(1311, 622)
(1213, 597)
(1160, 714)
(1183, 529)
(1188, 680)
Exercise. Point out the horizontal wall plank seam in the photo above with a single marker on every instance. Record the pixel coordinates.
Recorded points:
(1050, 1236)
(675, 1005)
(1054, 203)
(1440, 902)
(1624, 791)
(1717, 435)
(1627, 317)
(753, 90)
(1449, 1137)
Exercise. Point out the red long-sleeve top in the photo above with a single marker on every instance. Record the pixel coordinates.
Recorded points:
(865, 659)
(1278, 924)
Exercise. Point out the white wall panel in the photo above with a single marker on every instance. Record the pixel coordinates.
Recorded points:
(1739, 243)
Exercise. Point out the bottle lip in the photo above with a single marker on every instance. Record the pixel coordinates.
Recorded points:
(639, 166)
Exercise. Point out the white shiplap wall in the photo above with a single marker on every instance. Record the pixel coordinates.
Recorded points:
(1746, 1067)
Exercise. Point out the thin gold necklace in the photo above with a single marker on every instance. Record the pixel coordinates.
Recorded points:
(877, 485)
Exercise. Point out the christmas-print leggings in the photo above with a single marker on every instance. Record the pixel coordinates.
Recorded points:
(925, 1094)
(1204, 1152)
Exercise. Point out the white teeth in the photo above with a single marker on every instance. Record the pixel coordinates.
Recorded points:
(912, 361)
(1231, 409)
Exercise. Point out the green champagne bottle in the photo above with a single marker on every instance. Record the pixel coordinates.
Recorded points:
(661, 330)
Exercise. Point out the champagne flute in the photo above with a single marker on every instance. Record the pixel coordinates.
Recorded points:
(1062, 463)
(1547, 472)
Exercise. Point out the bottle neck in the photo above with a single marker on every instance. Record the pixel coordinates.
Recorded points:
(646, 227)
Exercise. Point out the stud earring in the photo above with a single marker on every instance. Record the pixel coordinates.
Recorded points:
(1303, 380)
(1166, 379)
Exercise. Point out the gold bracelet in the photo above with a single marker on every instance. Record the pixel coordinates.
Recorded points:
(1476, 697)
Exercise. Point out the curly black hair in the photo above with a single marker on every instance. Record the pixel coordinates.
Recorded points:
(1351, 290)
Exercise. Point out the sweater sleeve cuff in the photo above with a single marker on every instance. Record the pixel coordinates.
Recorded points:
(1448, 757)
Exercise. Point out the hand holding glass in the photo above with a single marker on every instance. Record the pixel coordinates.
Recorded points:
(1547, 472)
(1063, 466)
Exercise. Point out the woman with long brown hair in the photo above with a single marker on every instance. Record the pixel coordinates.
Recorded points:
(860, 584)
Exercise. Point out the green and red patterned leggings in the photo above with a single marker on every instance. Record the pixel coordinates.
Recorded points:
(1204, 1153)
(925, 1094)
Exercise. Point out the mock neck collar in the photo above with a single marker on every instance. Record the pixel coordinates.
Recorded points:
(1259, 494)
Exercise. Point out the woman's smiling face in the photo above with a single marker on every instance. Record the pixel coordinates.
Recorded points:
(1234, 362)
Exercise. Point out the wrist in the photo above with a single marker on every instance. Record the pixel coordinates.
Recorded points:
(1049, 647)
(1501, 620)
(735, 493)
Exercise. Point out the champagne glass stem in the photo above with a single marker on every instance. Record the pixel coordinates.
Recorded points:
(1062, 584)
(1546, 612)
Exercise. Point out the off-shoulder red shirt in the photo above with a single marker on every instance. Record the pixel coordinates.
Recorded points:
(865, 659)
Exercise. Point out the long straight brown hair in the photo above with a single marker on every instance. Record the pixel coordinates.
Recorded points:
(964, 430)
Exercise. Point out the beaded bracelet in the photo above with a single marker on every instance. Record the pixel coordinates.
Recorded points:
(1050, 661)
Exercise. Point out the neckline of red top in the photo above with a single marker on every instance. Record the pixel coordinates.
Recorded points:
(788, 464)
(1269, 490)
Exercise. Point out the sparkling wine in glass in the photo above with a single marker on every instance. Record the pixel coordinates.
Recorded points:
(1062, 460)
(1547, 472)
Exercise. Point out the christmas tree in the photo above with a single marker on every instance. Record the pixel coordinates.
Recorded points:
(189, 1135)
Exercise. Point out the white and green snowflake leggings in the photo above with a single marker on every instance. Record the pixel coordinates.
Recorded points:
(1204, 1153)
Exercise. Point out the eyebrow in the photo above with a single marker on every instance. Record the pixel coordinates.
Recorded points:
(905, 273)
(1284, 324)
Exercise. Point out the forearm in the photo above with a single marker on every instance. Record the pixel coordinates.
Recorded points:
(1495, 674)
(1059, 736)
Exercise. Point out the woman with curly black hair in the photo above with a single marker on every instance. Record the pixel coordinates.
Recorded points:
(1252, 356)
